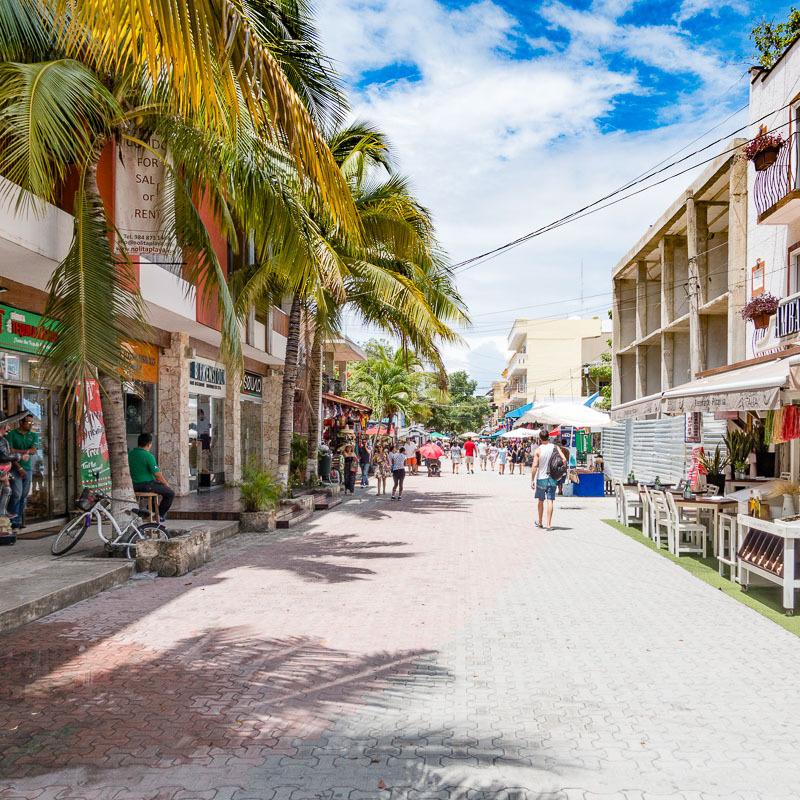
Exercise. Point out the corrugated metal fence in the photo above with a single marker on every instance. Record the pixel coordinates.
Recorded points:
(656, 447)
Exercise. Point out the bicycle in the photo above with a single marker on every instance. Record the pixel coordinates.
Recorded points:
(94, 507)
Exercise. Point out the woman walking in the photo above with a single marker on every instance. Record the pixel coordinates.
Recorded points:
(455, 456)
(398, 473)
(492, 454)
(502, 457)
(382, 468)
(512, 458)
(350, 469)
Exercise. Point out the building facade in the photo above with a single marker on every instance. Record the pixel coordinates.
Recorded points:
(548, 358)
(205, 425)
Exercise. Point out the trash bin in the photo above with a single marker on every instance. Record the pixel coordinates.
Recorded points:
(325, 467)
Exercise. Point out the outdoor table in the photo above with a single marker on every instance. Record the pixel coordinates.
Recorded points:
(710, 505)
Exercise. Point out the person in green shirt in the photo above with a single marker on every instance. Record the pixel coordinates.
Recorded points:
(146, 476)
(24, 441)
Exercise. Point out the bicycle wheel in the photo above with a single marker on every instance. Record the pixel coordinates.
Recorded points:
(149, 530)
(71, 534)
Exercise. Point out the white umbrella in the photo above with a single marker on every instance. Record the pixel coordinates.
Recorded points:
(469, 435)
(574, 414)
(520, 433)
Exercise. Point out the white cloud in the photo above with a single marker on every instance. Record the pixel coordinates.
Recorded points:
(497, 146)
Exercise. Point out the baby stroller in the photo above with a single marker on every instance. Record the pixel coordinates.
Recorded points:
(434, 468)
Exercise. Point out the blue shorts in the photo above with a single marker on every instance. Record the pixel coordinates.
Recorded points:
(545, 489)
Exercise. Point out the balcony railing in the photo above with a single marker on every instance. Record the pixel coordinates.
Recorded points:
(776, 182)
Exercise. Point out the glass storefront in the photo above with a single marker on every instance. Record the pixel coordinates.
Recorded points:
(141, 412)
(251, 428)
(53, 467)
(206, 441)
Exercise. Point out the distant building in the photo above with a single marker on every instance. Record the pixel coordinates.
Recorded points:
(549, 356)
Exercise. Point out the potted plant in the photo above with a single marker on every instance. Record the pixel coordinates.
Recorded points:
(763, 150)
(714, 467)
(739, 444)
(765, 461)
(760, 309)
(260, 493)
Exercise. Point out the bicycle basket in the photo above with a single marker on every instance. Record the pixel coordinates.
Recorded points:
(86, 500)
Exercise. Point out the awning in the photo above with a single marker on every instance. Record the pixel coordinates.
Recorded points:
(637, 408)
(756, 387)
(334, 398)
(573, 414)
(518, 412)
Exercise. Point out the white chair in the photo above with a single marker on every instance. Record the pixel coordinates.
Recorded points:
(662, 519)
(727, 544)
(685, 536)
(628, 505)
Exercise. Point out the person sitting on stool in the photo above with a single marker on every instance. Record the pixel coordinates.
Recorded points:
(146, 475)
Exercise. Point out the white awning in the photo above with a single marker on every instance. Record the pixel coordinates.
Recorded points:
(633, 409)
(754, 388)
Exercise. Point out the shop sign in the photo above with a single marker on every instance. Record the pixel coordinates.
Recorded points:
(206, 377)
(787, 318)
(252, 384)
(692, 424)
(145, 362)
(94, 446)
(139, 199)
(20, 330)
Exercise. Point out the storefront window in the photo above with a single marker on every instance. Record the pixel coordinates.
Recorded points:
(206, 440)
(251, 432)
(141, 413)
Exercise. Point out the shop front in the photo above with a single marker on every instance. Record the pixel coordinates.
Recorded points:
(206, 424)
(141, 396)
(252, 401)
(342, 420)
(54, 466)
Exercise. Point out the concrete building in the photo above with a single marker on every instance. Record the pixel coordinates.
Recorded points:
(548, 357)
(678, 291)
(205, 425)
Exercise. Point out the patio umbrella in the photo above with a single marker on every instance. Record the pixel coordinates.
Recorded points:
(431, 450)
(436, 435)
(520, 433)
(574, 414)
(469, 435)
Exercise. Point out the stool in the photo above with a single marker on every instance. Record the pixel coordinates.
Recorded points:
(727, 544)
(148, 501)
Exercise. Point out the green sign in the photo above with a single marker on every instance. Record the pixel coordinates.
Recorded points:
(19, 330)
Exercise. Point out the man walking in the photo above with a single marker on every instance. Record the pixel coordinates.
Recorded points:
(469, 455)
(146, 475)
(23, 441)
(364, 459)
(483, 454)
(548, 466)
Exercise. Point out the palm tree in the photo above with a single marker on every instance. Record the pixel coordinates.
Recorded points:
(229, 84)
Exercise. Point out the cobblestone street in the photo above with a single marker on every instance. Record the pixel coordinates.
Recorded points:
(440, 647)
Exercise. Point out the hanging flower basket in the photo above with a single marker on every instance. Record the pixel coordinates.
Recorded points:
(763, 151)
(760, 309)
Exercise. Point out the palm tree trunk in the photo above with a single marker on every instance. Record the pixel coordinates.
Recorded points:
(116, 438)
(315, 399)
(286, 424)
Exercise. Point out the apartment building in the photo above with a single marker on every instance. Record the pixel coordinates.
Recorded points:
(549, 356)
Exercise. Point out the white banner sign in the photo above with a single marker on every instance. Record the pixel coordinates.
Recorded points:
(137, 210)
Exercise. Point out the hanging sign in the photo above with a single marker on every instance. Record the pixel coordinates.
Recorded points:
(757, 279)
(695, 470)
(20, 330)
(95, 469)
(137, 210)
(252, 384)
(692, 425)
(207, 377)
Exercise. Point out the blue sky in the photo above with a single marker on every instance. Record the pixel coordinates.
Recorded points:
(508, 115)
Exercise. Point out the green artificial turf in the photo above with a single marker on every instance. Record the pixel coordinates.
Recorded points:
(767, 600)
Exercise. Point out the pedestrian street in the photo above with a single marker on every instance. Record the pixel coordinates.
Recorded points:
(438, 647)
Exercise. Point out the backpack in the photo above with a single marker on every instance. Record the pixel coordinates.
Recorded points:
(556, 468)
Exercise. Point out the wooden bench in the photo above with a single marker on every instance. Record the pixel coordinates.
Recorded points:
(148, 501)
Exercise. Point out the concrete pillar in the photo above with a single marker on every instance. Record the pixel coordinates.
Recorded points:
(641, 372)
(270, 419)
(667, 249)
(616, 342)
(641, 300)
(701, 243)
(342, 367)
(737, 257)
(697, 356)
(173, 410)
(667, 360)
(233, 432)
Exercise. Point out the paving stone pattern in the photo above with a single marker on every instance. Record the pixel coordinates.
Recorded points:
(440, 647)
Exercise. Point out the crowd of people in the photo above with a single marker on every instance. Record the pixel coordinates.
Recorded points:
(548, 463)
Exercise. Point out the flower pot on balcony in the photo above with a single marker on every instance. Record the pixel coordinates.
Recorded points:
(766, 158)
(761, 321)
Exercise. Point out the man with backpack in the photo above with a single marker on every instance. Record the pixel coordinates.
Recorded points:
(549, 467)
